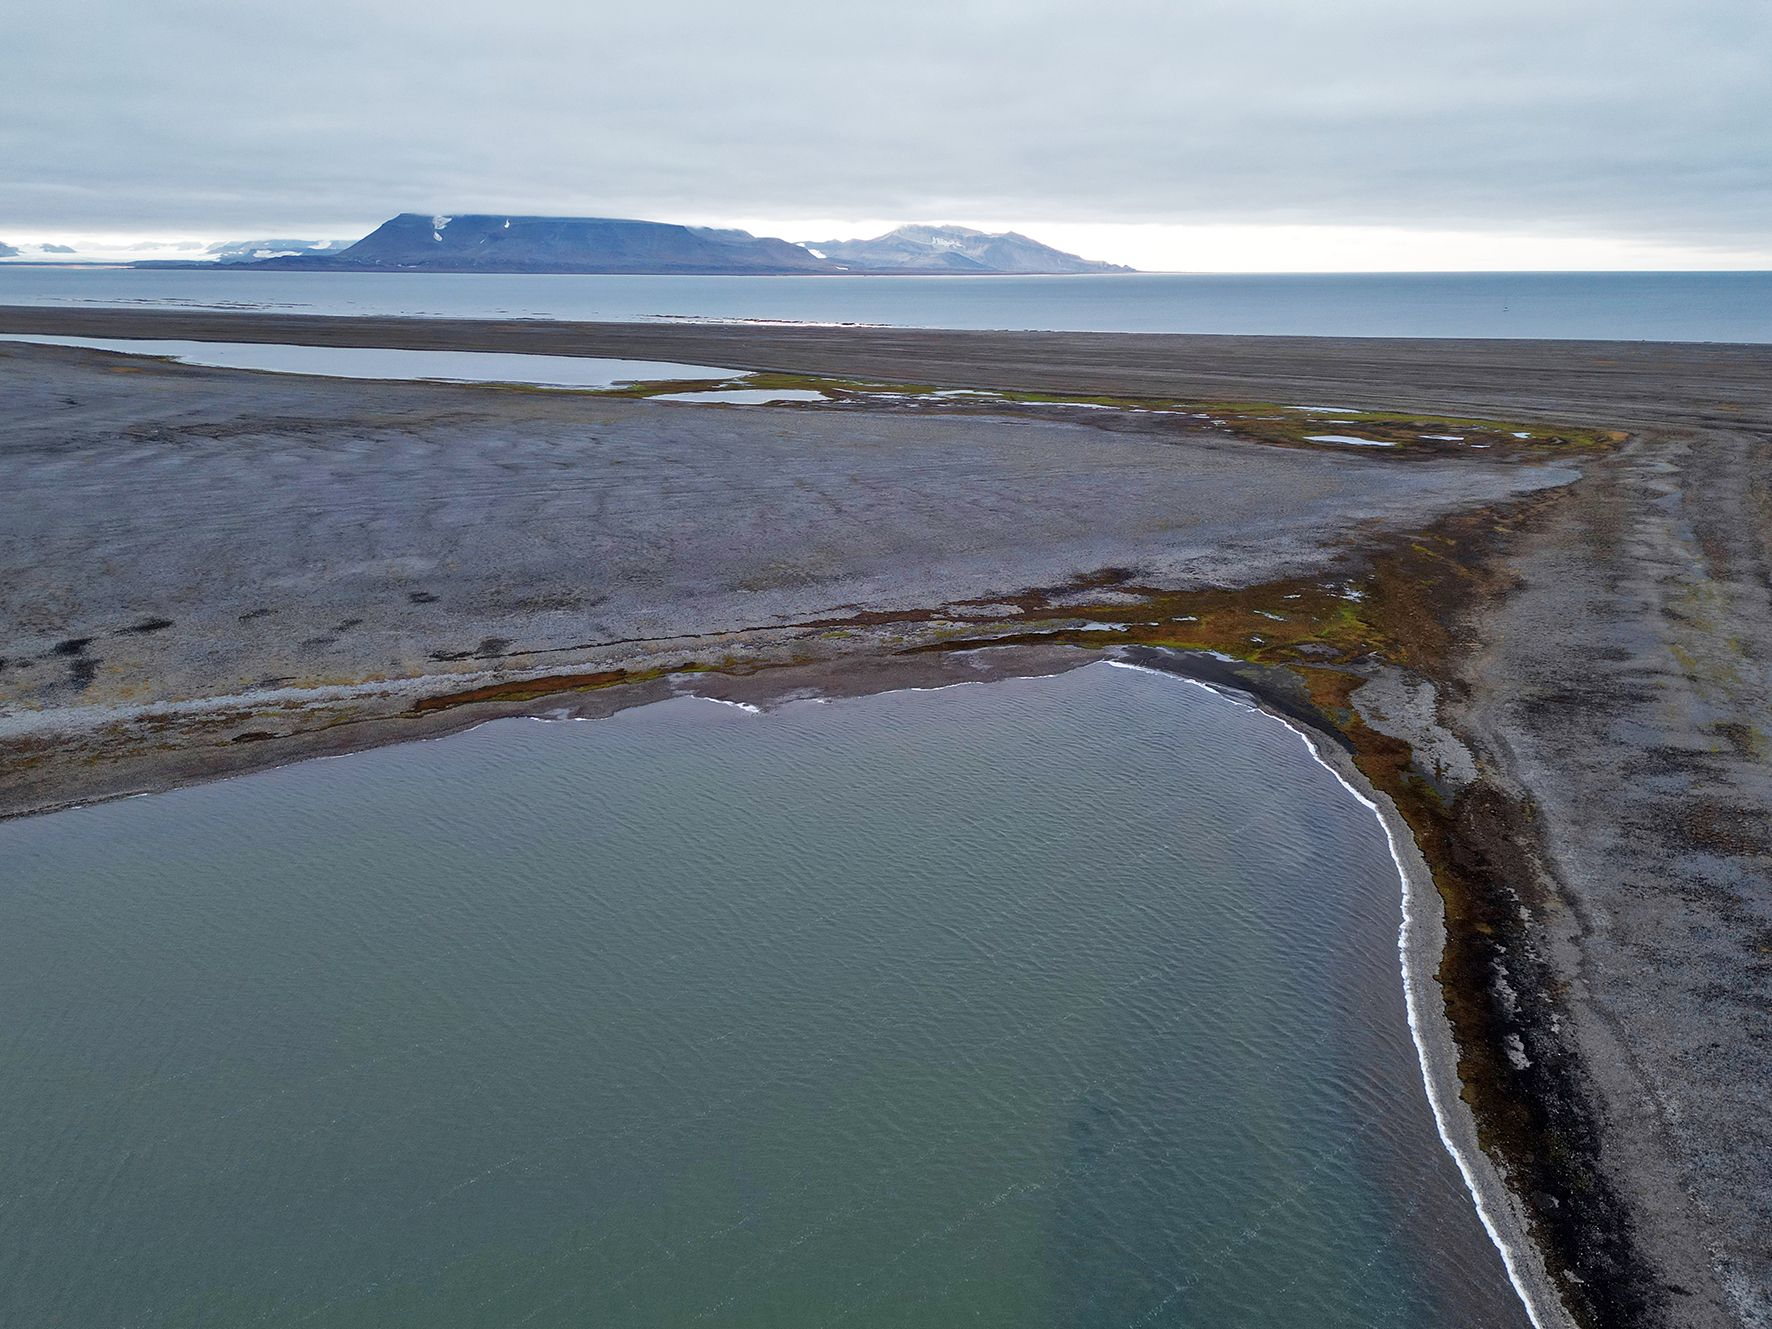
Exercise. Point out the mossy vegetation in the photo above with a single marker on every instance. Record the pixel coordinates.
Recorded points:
(1264, 422)
(527, 689)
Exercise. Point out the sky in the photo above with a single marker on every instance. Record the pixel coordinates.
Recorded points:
(1218, 135)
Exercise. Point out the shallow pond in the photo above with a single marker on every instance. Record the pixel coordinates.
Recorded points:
(547, 371)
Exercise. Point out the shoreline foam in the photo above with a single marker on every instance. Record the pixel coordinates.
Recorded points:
(1419, 944)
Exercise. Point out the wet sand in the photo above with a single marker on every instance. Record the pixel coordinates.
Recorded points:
(207, 571)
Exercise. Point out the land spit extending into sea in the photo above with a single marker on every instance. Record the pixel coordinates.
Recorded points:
(1551, 657)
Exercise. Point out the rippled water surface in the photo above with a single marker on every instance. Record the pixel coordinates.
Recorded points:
(1065, 1001)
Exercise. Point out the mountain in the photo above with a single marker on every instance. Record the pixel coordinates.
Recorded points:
(252, 251)
(954, 249)
(7, 251)
(412, 242)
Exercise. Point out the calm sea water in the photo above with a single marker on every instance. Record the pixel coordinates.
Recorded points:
(1702, 306)
(1060, 1002)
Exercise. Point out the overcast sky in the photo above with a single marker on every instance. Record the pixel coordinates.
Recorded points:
(1168, 133)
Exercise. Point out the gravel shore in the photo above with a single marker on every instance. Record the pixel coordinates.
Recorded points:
(203, 571)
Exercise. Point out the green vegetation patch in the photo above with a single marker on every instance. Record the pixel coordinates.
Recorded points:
(1263, 422)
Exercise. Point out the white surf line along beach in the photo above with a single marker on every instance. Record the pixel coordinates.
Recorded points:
(1419, 935)
(1419, 943)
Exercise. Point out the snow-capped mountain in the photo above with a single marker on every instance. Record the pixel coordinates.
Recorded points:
(492, 242)
(955, 249)
(252, 251)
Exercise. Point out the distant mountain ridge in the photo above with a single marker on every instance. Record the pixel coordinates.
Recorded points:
(956, 249)
(494, 243)
(491, 242)
(253, 251)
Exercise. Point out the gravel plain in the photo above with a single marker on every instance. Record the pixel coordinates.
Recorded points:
(187, 551)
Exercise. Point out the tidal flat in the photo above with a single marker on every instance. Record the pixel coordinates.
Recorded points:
(1552, 662)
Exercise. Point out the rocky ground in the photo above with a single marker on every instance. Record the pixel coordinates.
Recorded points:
(180, 536)
(202, 571)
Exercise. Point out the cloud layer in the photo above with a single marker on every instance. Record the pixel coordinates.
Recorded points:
(1630, 119)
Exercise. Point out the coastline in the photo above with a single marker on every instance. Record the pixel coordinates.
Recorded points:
(1421, 929)
(1488, 650)
(1421, 938)
(1460, 1273)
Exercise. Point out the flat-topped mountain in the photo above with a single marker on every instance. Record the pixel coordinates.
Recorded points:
(494, 243)
(414, 242)
(955, 249)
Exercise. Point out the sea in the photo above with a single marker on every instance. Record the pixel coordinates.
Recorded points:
(1067, 1001)
(1611, 306)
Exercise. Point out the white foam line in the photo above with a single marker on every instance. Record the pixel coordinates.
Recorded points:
(721, 701)
(1411, 989)
(976, 682)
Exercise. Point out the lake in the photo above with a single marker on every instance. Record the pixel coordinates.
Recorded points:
(1069, 1001)
(1656, 306)
(372, 362)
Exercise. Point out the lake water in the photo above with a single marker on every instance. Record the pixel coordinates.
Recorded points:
(1051, 1002)
(1672, 306)
(373, 362)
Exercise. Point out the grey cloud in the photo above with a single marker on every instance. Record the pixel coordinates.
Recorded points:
(1637, 118)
